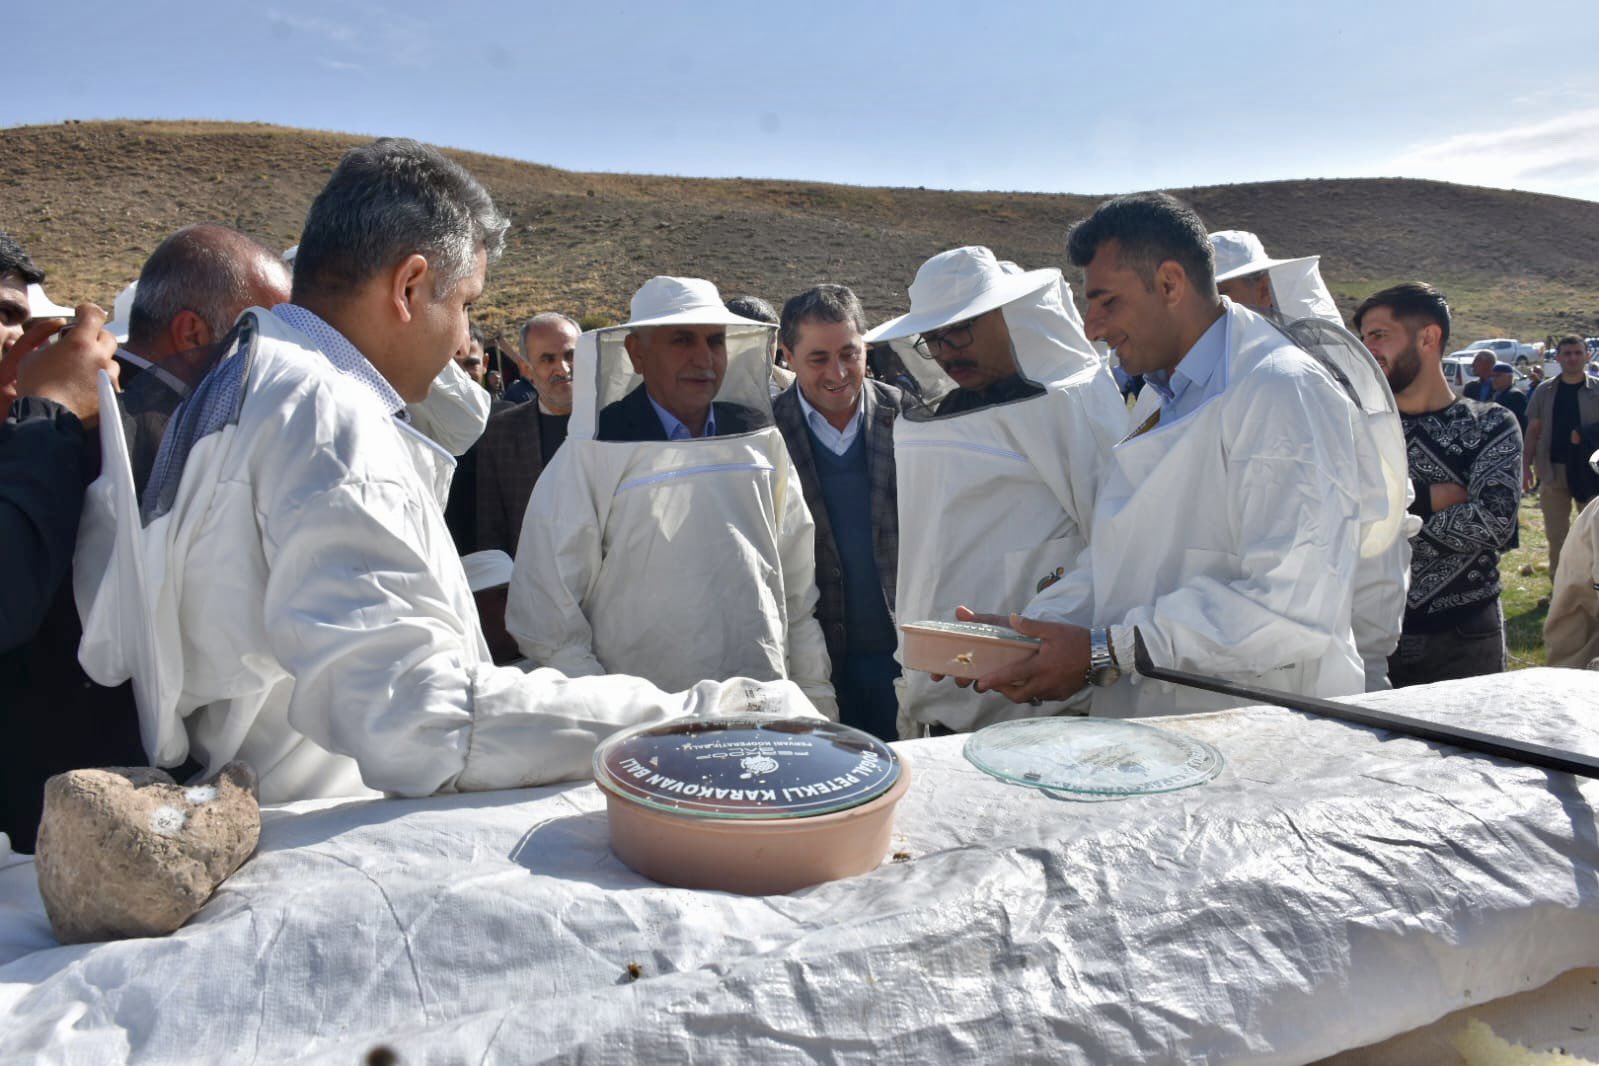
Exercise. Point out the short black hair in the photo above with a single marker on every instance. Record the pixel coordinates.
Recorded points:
(752, 307)
(1571, 338)
(1152, 228)
(823, 303)
(1415, 303)
(13, 260)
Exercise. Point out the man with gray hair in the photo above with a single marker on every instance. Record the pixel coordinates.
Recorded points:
(191, 290)
(669, 538)
(193, 287)
(288, 593)
(546, 343)
(520, 442)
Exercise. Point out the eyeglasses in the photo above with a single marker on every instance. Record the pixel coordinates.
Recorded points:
(950, 339)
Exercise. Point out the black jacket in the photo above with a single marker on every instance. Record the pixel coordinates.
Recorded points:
(44, 458)
(52, 717)
(632, 418)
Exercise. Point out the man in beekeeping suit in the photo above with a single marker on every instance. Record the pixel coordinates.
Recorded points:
(287, 592)
(669, 537)
(1000, 462)
(1229, 525)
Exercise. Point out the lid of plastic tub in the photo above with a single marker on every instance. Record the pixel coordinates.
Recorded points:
(746, 766)
(1095, 758)
(975, 630)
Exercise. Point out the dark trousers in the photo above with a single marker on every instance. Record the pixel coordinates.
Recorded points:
(867, 699)
(1474, 646)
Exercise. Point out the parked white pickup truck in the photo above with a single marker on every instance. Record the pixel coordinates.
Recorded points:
(1506, 350)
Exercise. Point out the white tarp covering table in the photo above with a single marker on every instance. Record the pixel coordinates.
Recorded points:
(1328, 890)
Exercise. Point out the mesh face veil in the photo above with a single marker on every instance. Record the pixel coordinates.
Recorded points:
(604, 374)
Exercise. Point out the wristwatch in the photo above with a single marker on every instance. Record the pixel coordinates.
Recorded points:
(1102, 668)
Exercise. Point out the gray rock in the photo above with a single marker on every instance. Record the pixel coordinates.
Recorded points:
(126, 851)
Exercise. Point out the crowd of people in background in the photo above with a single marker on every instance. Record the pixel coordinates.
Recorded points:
(336, 531)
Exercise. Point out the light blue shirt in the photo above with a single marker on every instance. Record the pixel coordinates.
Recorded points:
(838, 441)
(1196, 378)
(676, 430)
(345, 357)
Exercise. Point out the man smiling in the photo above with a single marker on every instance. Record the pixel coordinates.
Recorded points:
(839, 429)
(669, 539)
(682, 364)
(1227, 530)
(548, 342)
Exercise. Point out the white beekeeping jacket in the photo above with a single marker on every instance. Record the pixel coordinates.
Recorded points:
(454, 411)
(1230, 536)
(995, 504)
(1308, 313)
(674, 561)
(301, 605)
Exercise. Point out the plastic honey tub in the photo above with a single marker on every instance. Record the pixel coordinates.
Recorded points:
(963, 649)
(748, 804)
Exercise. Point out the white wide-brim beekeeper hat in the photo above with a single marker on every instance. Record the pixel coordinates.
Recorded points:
(41, 306)
(122, 312)
(1239, 254)
(959, 284)
(668, 301)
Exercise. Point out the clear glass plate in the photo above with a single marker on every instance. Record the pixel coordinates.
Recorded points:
(1092, 758)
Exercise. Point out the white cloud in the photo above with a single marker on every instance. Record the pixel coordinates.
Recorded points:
(357, 31)
(1555, 155)
(285, 24)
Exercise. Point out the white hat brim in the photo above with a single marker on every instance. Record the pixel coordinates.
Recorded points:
(41, 306)
(1256, 266)
(700, 316)
(1007, 288)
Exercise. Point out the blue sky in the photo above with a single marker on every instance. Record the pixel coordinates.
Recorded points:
(1047, 96)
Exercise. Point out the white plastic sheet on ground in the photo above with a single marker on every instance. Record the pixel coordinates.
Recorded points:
(1329, 889)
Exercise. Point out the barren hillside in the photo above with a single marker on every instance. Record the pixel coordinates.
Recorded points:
(90, 200)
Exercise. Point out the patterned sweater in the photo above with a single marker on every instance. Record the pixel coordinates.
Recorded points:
(1454, 563)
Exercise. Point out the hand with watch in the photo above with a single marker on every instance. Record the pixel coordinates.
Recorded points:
(1068, 658)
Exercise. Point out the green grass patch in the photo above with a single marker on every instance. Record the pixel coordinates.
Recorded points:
(1525, 595)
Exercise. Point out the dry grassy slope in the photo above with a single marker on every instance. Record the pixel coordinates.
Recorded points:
(90, 200)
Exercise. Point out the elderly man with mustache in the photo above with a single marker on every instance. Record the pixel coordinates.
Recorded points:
(670, 538)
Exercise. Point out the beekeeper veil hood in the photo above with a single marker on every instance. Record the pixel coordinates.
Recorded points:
(1305, 310)
(1296, 285)
(1046, 332)
(606, 375)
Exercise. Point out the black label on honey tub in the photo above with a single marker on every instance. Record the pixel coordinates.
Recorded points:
(747, 767)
